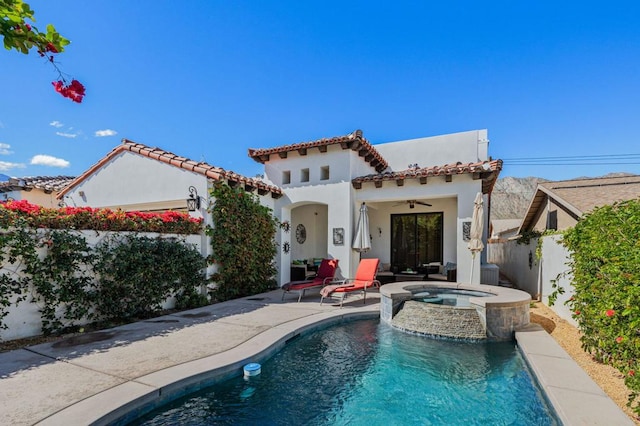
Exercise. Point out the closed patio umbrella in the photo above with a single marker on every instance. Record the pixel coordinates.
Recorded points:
(362, 241)
(475, 241)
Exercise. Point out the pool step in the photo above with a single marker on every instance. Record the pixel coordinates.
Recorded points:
(438, 320)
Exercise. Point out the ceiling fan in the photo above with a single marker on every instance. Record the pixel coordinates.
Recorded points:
(412, 203)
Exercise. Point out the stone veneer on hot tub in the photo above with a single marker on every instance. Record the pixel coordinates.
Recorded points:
(500, 313)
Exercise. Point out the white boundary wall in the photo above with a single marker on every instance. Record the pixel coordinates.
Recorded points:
(24, 319)
(536, 276)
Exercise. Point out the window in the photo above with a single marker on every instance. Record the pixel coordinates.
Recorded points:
(286, 177)
(552, 220)
(324, 173)
(416, 239)
(304, 175)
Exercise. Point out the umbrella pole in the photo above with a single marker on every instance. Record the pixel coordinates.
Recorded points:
(473, 264)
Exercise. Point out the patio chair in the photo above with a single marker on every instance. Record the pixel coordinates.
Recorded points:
(326, 272)
(365, 278)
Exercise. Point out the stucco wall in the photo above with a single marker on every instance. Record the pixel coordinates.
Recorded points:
(513, 260)
(298, 205)
(35, 196)
(339, 162)
(466, 147)
(24, 319)
(314, 218)
(132, 179)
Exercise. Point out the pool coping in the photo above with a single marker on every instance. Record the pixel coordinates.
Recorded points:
(575, 397)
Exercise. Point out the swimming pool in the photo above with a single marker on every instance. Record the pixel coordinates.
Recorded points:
(368, 373)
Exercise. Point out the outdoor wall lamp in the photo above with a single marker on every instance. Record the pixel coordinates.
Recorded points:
(193, 202)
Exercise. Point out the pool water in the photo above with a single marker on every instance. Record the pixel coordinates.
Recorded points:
(449, 297)
(367, 373)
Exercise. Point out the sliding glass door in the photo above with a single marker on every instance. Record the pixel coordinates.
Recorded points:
(416, 239)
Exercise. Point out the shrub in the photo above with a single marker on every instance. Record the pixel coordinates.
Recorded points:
(137, 274)
(243, 243)
(605, 264)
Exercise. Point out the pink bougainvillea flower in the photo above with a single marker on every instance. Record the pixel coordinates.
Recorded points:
(610, 312)
(74, 91)
(632, 373)
(619, 339)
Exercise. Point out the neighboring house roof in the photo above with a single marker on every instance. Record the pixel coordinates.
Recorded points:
(212, 172)
(580, 196)
(48, 184)
(488, 171)
(353, 141)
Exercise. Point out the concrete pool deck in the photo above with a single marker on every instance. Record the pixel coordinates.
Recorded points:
(96, 378)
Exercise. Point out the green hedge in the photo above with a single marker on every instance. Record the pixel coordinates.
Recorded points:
(605, 248)
(243, 243)
(123, 277)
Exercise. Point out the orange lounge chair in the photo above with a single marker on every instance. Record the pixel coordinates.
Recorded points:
(365, 278)
(326, 272)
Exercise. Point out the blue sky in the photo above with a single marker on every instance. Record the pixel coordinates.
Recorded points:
(209, 79)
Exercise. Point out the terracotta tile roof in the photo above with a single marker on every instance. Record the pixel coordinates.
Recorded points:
(488, 171)
(212, 172)
(48, 184)
(580, 196)
(354, 141)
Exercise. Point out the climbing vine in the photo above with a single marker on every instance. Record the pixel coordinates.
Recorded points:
(124, 276)
(605, 264)
(243, 243)
(17, 248)
(62, 284)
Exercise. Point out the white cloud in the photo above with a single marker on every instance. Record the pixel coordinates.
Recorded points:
(6, 166)
(67, 135)
(106, 132)
(5, 149)
(48, 160)
(56, 123)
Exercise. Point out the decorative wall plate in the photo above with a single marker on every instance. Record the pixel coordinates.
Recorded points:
(301, 234)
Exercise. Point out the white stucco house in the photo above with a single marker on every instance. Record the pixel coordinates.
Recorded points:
(419, 193)
(136, 177)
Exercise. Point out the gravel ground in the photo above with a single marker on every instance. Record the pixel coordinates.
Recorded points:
(608, 378)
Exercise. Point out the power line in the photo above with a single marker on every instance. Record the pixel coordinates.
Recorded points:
(568, 164)
(576, 157)
(576, 160)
